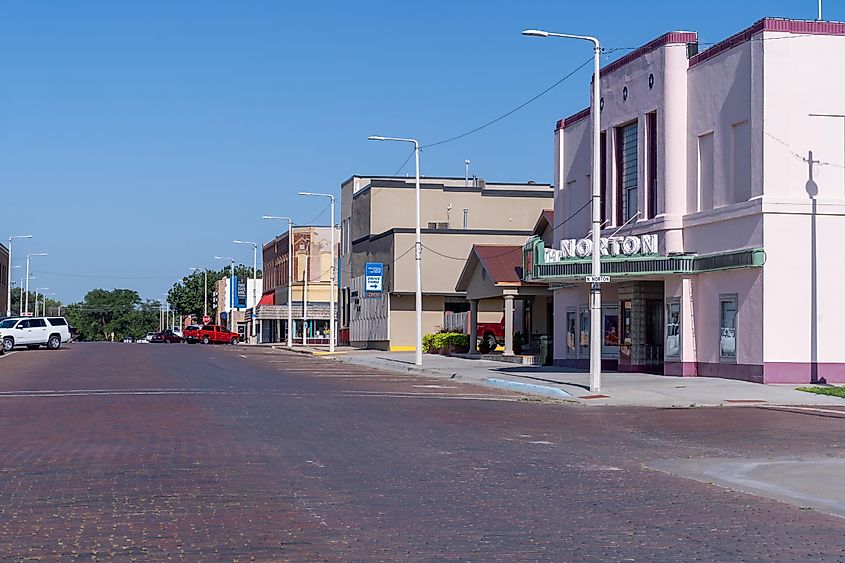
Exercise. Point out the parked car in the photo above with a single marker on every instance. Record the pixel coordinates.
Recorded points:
(191, 334)
(149, 336)
(216, 334)
(166, 336)
(33, 332)
(127, 340)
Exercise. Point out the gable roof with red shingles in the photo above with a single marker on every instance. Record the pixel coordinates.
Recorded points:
(502, 262)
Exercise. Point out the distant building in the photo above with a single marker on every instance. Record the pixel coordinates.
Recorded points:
(723, 193)
(235, 319)
(377, 227)
(310, 287)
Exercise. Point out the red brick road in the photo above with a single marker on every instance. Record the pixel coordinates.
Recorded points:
(157, 452)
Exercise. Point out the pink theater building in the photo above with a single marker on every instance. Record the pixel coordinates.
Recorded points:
(723, 202)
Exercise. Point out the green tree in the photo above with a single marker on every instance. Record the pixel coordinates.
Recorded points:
(186, 296)
(121, 312)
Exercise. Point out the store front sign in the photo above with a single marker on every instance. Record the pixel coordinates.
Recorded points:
(641, 245)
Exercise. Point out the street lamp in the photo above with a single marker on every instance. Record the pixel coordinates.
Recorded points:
(595, 287)
(232, 289)
(204, 292)
(9, 281)
(331, 269)
(37, 289)
(28, 256)
(290, 275)
(254, 282)
(418, 245)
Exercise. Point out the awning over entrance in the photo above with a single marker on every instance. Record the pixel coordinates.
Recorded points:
(537, 269)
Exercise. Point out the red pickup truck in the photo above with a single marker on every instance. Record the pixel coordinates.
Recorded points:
(216, 334)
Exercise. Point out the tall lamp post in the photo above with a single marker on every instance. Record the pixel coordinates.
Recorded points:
(37, 289)
(204, 291)
(331, 270)
(254, 283)
(418, 245)
(9, 281)
(595, 287)
(232, 289)
(26, 297)
(290, 275)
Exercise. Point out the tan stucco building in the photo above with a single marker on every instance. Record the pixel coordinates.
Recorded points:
(377, 226)
(310, 303)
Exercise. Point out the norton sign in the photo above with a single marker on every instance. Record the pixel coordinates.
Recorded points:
(642, 245)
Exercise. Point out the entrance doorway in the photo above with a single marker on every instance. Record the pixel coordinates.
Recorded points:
(641, 326)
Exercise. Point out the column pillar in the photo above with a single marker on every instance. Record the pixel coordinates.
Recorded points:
(473, 326)
(508, 325)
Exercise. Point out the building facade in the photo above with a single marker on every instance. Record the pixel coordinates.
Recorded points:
(235, 319)
(723, 192)
(378, 218)
(4, 278)
(310, 288)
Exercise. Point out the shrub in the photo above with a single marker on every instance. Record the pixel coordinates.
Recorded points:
(443, 340)
(426, 342)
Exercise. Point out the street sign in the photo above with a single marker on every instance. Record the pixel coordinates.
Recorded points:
(206, 319)
(373, 277)
(598, 279)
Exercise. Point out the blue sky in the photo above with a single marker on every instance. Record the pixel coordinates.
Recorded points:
(138, 139)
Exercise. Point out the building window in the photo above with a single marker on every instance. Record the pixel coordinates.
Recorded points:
(651, 156)
(570, 334)
(705, 172)
(603, 175)
(727, 327)
(673, 329)
(741, 162)
(626, 172)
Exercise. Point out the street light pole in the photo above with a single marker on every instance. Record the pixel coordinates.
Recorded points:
(331, 270)
(254, 284)
(418, 244)
(595, 287)
(232, 288)
(28, 256)
(9, 280)
(290, 276)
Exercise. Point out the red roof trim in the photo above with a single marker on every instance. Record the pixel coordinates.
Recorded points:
(670, 38)
(803, 27)
(673, 37)
(572, 119)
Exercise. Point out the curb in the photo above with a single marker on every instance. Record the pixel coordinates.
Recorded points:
(529, 388)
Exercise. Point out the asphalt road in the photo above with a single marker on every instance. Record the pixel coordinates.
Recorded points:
(156, 452)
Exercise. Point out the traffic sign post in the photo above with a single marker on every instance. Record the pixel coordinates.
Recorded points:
(206, 319)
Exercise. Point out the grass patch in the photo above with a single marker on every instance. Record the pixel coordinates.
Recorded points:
(832, 391)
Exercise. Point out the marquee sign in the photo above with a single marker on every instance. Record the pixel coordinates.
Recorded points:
(573, 249)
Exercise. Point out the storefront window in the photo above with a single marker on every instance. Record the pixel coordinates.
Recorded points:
(611, 329)
(727, 327)
(570, 334)
(584, 333)
(673, 329)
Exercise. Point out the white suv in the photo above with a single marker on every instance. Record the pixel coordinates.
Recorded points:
(34, 332)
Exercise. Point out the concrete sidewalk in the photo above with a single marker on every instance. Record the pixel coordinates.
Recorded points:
(618, 389)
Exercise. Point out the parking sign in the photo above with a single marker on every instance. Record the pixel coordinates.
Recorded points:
(374, 277)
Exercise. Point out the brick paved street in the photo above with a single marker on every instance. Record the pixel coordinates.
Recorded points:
(178, 452)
